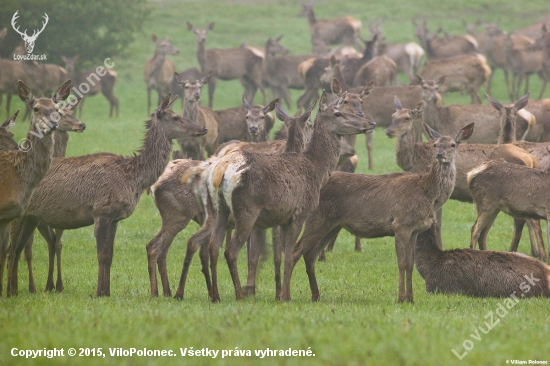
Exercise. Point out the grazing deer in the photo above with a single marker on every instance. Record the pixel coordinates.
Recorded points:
(331, 31)
(7, 143)
(293, 180)
(479, 273)
(159, 70)
(22, 170)
(399, 204)
(204, 116)
(228, 64)
(97, 82)
(105, 189)
(439, 48)
(465, 73)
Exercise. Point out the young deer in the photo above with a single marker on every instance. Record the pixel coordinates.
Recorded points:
(398, 204)
(105, 84)
(159, 70)
(194, 147)
(100, 190)
(22, 170)
(478, 273)
(263, 191)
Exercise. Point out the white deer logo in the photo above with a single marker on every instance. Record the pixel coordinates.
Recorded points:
(29, 41)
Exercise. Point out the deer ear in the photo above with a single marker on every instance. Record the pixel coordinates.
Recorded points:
(419, 79)
(281, 113)
(25, 93)
(336, 87)
(10, 122)
(397, 103)
(211, 26)
(246, 105)
(441, 80)
(465, 133)
(190, 26)
(308, 111)
(206, 77)
(432, 134)
(279, 38)
(367, 89)
(323, 102)
(179, 78)
(271, 106)
(520, 104)
(417, 110)
(495, 103)
(163, 106)
(338, 102)
(72, 105)
(62, 92)
(171, 102)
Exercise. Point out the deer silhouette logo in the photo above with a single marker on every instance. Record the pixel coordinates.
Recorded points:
(29, 40)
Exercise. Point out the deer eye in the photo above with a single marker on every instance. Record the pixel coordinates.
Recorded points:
(435, 145)
(345, 102)
(338, 114)
(36, 109)
(453, 145)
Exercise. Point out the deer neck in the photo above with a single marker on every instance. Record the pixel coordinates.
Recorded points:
(61, 140)
(201, 55)
(260, 137)
(311, 17)
(432, 114)
(405, 151)
(507, 134)
(33, 165)
(323, 149)
(440, 182)
(158, 62)
(190, 110)
(427, 253)
(295, 141)
(149, 164)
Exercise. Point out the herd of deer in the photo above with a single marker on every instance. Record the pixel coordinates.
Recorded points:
(303, 179)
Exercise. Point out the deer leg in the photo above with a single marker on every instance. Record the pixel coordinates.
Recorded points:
(49, 236)
(4, 239)
(369, 137)
(358, 244)
(58, 249)
(483, 222)
(199, 239)
(8, 102)
(402, 243)
(20, 233)
(104, 232)
(516, 237)
(216, 241)
(211, 90)
(148, 100)
(410, 267)
(255, 245)
(544, 81)
(289, 242)
(28, 257)
(537, 243)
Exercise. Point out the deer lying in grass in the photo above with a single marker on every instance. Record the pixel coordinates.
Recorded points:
(7, 143)
(331, 31)
(290, 185)
(465, 73)
(479, 273)
(103, 190)
(228, 64)
(398, 204)
(159, 70)
(194, 147)
(22, 170)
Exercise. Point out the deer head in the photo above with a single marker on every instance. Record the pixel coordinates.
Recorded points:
(255, 117)
(402, 120)
(29, 40)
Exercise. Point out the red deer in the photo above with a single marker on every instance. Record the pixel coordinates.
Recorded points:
(22, 170)
(439, 48)
(228, 64)
(7, 143)
(331, 31)
(105, 188)
(524, 59)
(398, 204)
(478, 273)
(232, 124)
(190, 74)
(545, 40)
(98, 83)
(159, 70)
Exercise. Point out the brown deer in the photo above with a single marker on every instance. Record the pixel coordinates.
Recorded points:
(381, 69)
(532, 31)
(545, 40)
(232, 124)
(204, 116)
(523, 61)
(105, 188)
(228, 64)
(159, 70)
(479, 273)
(439, 48)
(518, 191)
(95, 80)
(10, 72)
(190, 74)
(399, 204)
(465, 73)
(293, 183)
(7, 143)
(22, 170)
(331, 31)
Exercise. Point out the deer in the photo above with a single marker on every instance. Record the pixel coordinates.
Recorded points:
(479, 273)
(532, 31)
(103, 196)
(10, 72)
(228, 64)
(407, 56)
(22, 170)
(545, 40)
(381, 69)
(331, 31)
(278, 205)
(189, 74)
(415, 156)
(398, 204)
(7, 143)
(440, 48)
(29, 40)
(523, 61)
(159, 70)
(204, 116)
(103, 83)
(232, 124)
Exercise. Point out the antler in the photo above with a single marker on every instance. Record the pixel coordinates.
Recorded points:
(13, 19)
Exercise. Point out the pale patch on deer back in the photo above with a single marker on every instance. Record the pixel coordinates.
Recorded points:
(484, 64)
(225, 175)
(354, 23)
(304, 66)
(257, 52)
(474, 172)
(472, 40)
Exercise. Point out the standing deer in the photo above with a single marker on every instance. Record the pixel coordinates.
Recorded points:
(228, 64)
(439, 48)
(22, 170)
(331, 31)
(524, 60)
(399, 204)
(102, 190)
(195, 147)
(104, 83)
(159, 70)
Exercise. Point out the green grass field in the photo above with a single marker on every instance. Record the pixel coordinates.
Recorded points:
(358, 320)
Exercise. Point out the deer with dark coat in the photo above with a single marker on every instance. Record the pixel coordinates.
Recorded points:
(103, 190)
(7, 143)
(371, 206)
